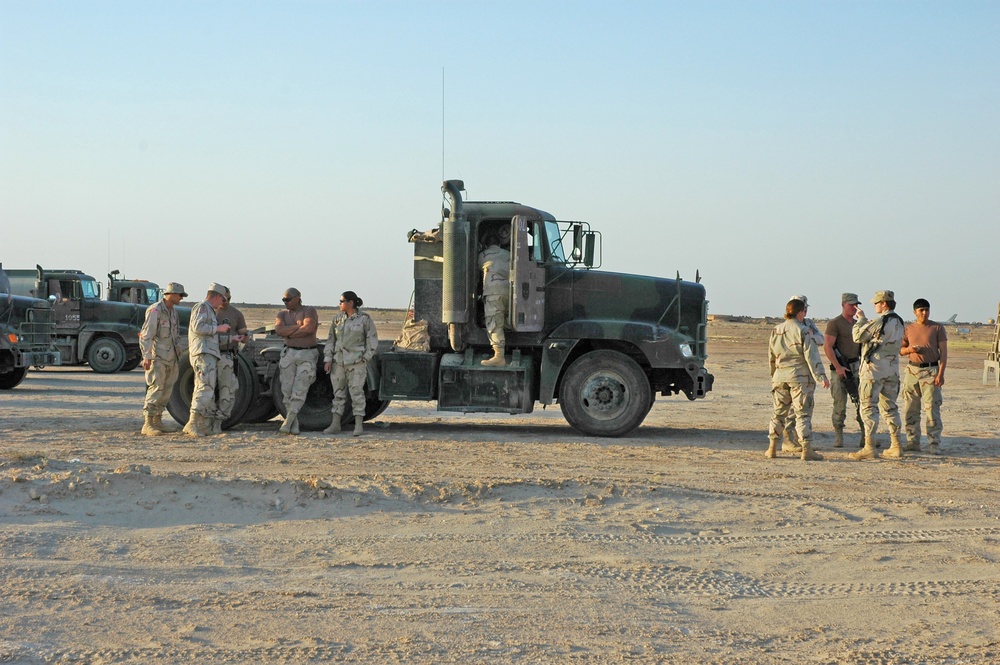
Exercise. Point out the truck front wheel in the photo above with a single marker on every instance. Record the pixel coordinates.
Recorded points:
(106, 355)
(605, 393)
(9, 380)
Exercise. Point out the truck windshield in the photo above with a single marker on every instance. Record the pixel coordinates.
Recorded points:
(89, 288)
(554, 236)
(152, 295)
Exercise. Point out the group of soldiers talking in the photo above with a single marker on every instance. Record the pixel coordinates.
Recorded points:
(863, 356)
(215, 332)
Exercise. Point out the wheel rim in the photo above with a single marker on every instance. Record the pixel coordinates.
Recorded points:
(604, 396)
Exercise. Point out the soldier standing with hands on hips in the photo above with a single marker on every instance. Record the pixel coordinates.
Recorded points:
(203, 349)
(926, 343)
(160, 343)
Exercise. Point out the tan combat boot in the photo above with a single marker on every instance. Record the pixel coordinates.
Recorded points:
(162, 426)
(912, 444)
(195, 425)
(772, 448)
(933, 449)
(789, 443)
(334, 427)
(838, 440)
(808, 453)
(148, 427)
(868, 452)
(286, 427)
(497, 360)
(216, 427)
(358, 430)
(895, 450)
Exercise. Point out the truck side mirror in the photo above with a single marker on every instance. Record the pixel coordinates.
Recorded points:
(588, 249)
(577, 242)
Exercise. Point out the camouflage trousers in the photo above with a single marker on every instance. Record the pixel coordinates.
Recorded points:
(349, 379)
(879, 396)
(297, 369)
(920, 394)
(205, 380)
(160, 379)
(792, 398)
(227, 384)
(495, 313)
(841, 398)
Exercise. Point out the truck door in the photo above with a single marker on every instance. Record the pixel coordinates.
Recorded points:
(527, 274)
(66, 308)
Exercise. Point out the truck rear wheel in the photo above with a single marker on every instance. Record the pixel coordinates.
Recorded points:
(179, 405)
(9, 380)
(106, 355)
(605, 393)
(316, 415)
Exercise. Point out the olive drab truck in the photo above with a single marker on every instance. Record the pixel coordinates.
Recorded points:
(602, 345)
(88, 329)
(135, 291)
(26, 335)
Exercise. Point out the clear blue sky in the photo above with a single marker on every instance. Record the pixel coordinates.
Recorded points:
(777, 147)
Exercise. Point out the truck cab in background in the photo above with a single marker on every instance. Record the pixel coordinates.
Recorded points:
(26, 335)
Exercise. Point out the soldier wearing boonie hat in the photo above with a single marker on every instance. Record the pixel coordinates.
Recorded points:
(203, 349)
(159, 343)
(878, 385)
(790, 443)
(839, 338)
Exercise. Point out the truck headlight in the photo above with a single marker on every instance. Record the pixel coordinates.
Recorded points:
(686, 350)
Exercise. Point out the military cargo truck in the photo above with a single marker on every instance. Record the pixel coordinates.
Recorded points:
(602, 345)
(26, 335)
(135, 291)
(101, 333)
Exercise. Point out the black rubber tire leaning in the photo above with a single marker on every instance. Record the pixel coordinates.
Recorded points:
(605, 393)
(11, 379)
(106, 355)
(315, 415)
(179, 405)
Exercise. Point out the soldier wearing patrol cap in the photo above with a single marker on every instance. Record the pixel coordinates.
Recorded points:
(203, 349)
(159, 342)
(840, 337)
(878, 379)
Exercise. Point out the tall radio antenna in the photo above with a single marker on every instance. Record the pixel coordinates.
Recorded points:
(442, 124)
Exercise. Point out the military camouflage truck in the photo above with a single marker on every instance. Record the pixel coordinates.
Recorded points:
(135, 291)
(102, 333)
(26, 335)
(600, 344)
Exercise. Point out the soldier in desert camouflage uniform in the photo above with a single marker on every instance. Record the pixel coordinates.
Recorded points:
(203, 349)
(790, 444)
(878, 380)
(351, 344)
(494, 262)
(229, 346)
(796, 367)
(297, 323)
(160, 343)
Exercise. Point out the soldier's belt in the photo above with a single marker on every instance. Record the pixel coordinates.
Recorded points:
(923, 365)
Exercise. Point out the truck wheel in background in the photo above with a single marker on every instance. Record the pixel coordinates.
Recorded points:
(262, 410)
(106, 355)
(605, 393)
(315, 414)
(132, 364)
(179, 405)
(10, 379)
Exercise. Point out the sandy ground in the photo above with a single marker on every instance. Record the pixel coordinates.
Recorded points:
(439, 538)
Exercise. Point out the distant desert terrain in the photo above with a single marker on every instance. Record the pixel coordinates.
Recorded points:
(448, 538)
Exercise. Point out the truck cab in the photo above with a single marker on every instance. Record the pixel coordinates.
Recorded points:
(26, 335)
(134, 291)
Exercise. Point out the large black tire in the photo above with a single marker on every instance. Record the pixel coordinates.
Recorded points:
(11, 379)
(132, 363)
(605, 393)
(262, 410)
(179, 405)
(315, 414)
(106, 355)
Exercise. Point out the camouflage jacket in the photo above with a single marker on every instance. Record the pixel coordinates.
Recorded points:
(352, 339)
(794, 355)
(879, 345)
(160, 336)
(495, 264)
(203, 331)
